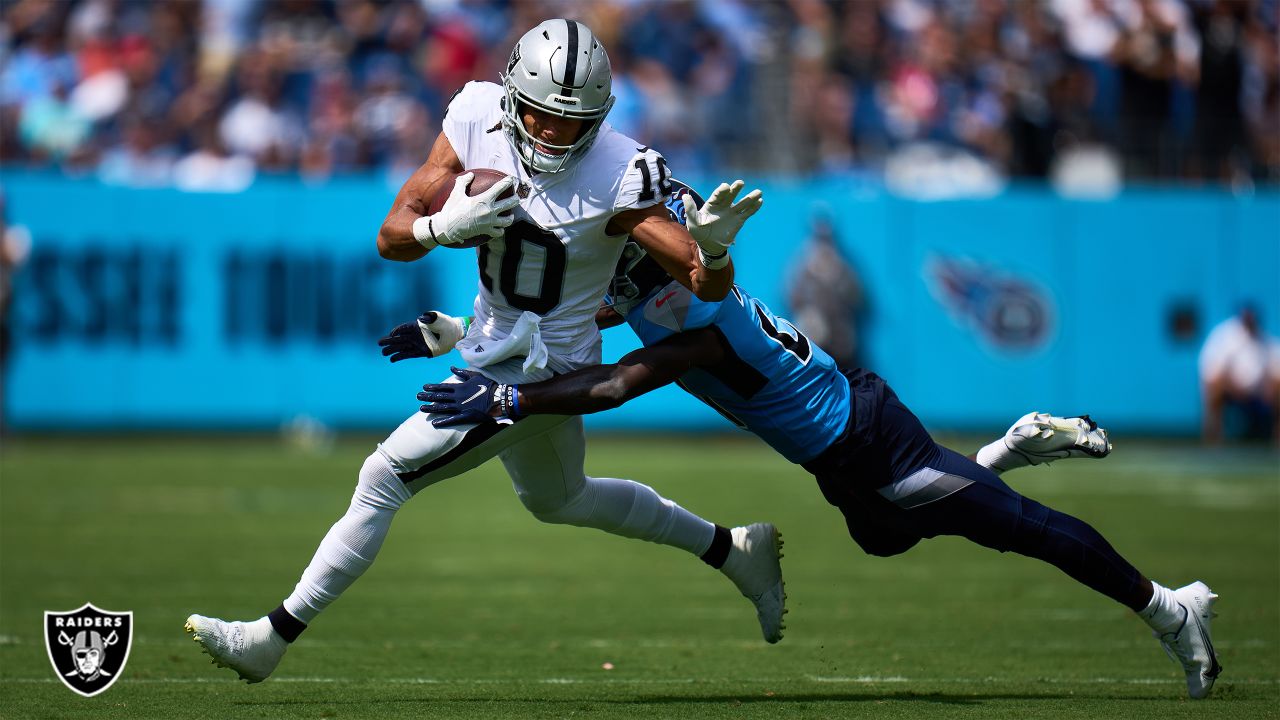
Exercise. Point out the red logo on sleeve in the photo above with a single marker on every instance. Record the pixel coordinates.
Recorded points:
(665, 298)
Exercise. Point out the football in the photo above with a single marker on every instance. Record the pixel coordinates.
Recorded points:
(483, 180)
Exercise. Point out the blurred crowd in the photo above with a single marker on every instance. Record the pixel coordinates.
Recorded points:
(208, 94)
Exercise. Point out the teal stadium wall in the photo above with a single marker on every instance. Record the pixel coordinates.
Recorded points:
(146, 309)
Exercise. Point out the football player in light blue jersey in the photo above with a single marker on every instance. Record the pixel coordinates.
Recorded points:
(871, 456)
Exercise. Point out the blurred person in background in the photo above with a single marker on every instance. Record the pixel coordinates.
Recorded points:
(1219, 139)
(1240, 368)
(824, 294)
(142, 159)
(15, 245)
(1155, 53)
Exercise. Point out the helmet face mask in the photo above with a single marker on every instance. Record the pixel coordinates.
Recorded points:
(560, 68)
(637, 275)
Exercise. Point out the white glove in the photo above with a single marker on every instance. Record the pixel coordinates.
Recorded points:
(715, 225)
(442, 332)
(464, 216)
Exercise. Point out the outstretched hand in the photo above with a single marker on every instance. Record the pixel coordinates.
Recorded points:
(715, 225)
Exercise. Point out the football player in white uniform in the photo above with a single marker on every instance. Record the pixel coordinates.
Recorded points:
(581, 189)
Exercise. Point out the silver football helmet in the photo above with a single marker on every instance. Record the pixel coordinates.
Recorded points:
(558, 67)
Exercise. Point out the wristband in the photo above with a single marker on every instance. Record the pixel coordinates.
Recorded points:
(424, 233)
(713, 262)
(509, 401)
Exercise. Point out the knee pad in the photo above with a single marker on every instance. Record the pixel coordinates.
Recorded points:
(574, 510)
(621, 507)
(379, 486)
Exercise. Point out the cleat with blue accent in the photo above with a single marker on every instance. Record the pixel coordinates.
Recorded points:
(1191, 645)
(754, 566)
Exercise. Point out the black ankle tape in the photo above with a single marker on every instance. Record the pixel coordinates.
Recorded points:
(288, 626)
(721, 542)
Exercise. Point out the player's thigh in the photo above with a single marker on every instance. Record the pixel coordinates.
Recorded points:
(422, 454)
(966, 500)
(547, 470)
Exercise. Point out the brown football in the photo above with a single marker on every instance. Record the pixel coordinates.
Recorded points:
(484, 179)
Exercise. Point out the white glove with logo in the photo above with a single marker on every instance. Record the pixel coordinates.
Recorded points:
(464, 217)
(715, 225)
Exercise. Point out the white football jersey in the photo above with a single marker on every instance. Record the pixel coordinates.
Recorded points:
(556, 259)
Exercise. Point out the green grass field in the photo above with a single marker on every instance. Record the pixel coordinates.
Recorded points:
(475, 609)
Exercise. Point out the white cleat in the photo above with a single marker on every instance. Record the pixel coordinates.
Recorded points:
(1191, 645)
(754, 565)
(1042, 438)
(252, 649)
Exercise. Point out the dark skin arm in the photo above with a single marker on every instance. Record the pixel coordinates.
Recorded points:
(395, 237)
(670, 243)
(603, 387)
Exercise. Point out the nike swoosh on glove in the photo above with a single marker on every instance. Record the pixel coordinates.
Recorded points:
(470, 401)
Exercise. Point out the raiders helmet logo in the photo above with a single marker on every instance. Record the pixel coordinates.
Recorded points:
(88, 646)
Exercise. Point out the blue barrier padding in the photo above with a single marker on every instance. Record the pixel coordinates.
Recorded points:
(161, 309)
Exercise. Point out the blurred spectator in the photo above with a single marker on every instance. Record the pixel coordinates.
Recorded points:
(1220, 139)
(210, 168)
(1240, 368)
(1155, 51)
(1169, 89)
(15, 245)
(141, 160)
(824, 295)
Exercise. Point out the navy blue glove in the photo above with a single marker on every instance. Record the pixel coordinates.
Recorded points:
(470, 401)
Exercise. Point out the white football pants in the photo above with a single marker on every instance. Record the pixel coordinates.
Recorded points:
(544, 456)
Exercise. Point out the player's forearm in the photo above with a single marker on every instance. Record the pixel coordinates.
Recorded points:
(712, 285)
(582, 392)
(603, 387)
(396, 240)
(396, 237)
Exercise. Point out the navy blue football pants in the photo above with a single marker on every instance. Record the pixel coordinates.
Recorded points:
(896, 486)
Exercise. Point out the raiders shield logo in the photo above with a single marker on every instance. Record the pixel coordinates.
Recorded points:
(88, 647)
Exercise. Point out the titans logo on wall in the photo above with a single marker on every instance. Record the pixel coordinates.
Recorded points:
(88, 646)
(1007, 311)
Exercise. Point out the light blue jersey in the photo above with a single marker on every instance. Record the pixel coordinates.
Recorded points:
(773, 381)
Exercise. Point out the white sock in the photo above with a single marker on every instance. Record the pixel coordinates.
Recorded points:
(634, 510)
(1164, 613)
(999, 458)
(352, 543)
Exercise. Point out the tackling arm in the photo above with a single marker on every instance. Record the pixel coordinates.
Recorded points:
(473, 398)
(670, 244)
(395, 238)
(603, 387)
